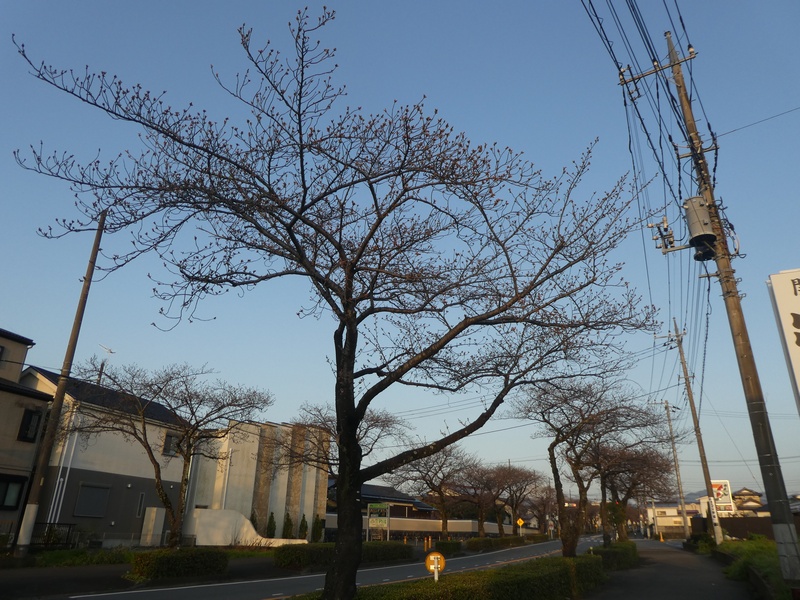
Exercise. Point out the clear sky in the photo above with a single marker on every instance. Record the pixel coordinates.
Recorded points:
(531, 75)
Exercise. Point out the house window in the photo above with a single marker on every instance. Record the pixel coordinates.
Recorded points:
(11, 491)
(140, 505)
(170, 445)
(29, 427)
(92, 500)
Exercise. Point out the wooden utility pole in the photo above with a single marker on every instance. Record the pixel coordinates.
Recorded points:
(686, 531)
(716, 530)
(774, 487)
(54, 418)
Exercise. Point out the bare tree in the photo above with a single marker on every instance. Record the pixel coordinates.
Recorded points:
(477, 486)
(542, 505)
(518, 484)
(378, 431)
(579, 416)
(443, 265)
(628, 471)
(434, 479)
(172, 412)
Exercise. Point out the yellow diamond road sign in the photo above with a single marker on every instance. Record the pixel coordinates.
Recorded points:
(520, 522)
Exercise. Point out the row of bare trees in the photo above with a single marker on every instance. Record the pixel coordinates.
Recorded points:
(454, 479)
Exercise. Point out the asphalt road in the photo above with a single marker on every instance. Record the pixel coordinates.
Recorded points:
(283, 587)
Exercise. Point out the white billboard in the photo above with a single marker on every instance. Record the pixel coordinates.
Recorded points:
(723, 497)
(784, 289)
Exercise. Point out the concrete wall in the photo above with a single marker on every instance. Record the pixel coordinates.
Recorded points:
(226, 528)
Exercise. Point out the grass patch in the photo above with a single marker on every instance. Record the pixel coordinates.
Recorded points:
(760, 554)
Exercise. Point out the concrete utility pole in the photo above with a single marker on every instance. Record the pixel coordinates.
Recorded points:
(54, 419)
(716, 530)
(686, 532)
(777, 499)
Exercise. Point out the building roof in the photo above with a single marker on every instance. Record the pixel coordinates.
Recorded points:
(6, 385)
(15, 337)
(746, 492)
(373, 493)
(91, 393)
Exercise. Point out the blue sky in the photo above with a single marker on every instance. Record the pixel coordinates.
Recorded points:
(530, 75)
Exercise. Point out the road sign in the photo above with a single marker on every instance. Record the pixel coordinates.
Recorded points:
(520, 522)
(434, 562)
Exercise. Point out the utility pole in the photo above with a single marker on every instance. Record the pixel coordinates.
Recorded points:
(712, 504)
(54, 419)
(677, 474)
(774, 486)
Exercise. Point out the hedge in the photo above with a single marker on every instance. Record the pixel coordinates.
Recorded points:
(552, 578)
(482, 544)
(620, 555)
(314, 556)
(448, 547)
(185, 562)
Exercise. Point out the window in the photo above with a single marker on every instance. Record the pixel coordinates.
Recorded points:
(92, 500)
(11, 491)
(29, 427)
(140, 505)
(170, 445)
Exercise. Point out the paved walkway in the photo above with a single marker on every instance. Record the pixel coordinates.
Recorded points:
(666, 573)
(670, 573)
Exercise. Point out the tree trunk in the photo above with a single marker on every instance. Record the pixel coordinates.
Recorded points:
(340, 580)
(604, 520)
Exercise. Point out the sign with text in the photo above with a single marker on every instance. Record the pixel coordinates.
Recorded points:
(784, 288)
(722, 496)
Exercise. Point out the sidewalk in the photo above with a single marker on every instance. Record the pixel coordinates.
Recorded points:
(670, 573)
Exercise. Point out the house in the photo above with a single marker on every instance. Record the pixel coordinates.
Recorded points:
(748, 501)
(23, 411)
(101, 487)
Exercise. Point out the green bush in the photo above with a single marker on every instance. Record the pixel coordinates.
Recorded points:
(703, 543)
(448, 547)
(288, 527)
(271, 526)
(317, 529)
(302, 532)
(319, 556)
(620, 555)
(757, 553)
(186, 562)
(483, 544)
(536, 538)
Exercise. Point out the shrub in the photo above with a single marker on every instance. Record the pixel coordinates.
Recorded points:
(702, 543)
(288, 527)
(271, 526)
(448, 547)
(302, 532)
(317, 529)
(482, 544)
(185, 562)
(620, 555)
